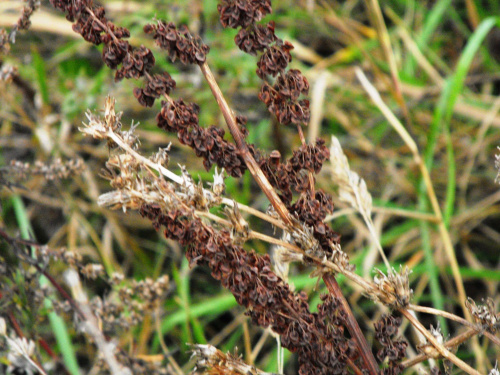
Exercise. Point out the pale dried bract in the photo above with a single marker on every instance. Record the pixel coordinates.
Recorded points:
(392, 289)
(485, 315)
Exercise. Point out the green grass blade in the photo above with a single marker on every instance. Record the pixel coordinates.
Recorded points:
(56, 322)
(432, 21)
(456, 85)
(41, 76)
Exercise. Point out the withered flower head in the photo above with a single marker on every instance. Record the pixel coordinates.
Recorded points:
(394, 289)
(485, 315)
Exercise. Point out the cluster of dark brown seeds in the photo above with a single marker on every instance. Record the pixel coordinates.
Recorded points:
(129, 62)
(208, 143)
(386, 330)
(317, 338)
(179, 43)
(279, 98)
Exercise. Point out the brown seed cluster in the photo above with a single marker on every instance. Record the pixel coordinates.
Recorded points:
(244, 13)
(208, 143)
(255, 39)
(386, 330)
(129, 62)
(281, 98)
(292, 175)
(179, 43)
(156, 86)
(24, 21)
(318, 338)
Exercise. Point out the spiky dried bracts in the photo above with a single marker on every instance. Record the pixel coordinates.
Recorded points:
(318, 338)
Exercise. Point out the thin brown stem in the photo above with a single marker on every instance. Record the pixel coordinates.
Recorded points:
(441, 349)
(445, 314)
(252, 165)
(278, 205)
(353, 327)
(310, 175)
(448, 344)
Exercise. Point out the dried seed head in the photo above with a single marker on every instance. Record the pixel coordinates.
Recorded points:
(8, 72)
(393, 289)
(3, 327)
(218, 186)
(436, 332)
(485, 315)
(240, 228)
(19, 355)
(99, 129)
(56, 169)
(209, 357)
(494, 371)
(92, 271)
(161, 157)
(352, 188)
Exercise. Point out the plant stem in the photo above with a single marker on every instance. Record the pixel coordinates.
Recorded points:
(353, 327)
(252, 165)
(445, 353)
(281, 209)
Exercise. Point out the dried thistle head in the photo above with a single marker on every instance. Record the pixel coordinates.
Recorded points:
(392, 289)
(485, 315)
